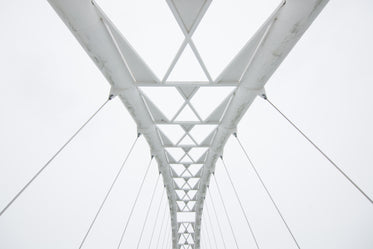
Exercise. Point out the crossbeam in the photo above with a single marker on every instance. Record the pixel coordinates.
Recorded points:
(247, 73)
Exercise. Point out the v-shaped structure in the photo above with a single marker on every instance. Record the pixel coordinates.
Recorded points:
(187, 142)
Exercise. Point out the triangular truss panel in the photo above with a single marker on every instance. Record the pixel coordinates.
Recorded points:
(187, 141)
(187, 68)
(188, 11)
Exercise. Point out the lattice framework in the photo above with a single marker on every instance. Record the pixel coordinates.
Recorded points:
(186, 163)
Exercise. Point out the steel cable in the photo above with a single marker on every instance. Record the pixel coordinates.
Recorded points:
(148, 211)
(239, 201)
(134, 204)
(268, 193)
(165, 234)
(217, 220)
(167, 239)
(156, 219)
(53, 157)
(108, 192)
(208, 241)
(211, 227)
(317, 148)
(225, 211)
(160, 231)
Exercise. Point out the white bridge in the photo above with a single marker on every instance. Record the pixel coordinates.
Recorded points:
(187, 162)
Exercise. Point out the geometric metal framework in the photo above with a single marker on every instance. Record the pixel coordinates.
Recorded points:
(187, 144)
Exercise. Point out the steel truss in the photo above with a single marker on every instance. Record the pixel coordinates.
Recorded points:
(127, 73)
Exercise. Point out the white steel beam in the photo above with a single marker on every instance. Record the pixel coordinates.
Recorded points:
(248, 72)
(89, 25)
(263, 54)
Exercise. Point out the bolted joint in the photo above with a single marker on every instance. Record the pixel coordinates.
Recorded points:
(264, 96)
(111, 96)
(138, 134)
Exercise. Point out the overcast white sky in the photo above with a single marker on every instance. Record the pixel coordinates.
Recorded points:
(49, 87)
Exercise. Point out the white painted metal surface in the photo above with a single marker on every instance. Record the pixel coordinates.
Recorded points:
(187, 176)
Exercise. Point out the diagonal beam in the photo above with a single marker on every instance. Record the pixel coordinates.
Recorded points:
(188, 38)
(290, 20)
(84, 21)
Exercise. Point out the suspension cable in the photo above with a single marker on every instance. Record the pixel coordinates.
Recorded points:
(268, 193)
(148, 211)
(167, 239)
(217, 219)
(239, 201)
(54, 156)
(160, 230)
(108, 192)
(165, 233)
(211, 227)
(225, 210)
(156, 219)
(317, 148)
(134, 204)
(204, 243)
(207, 236)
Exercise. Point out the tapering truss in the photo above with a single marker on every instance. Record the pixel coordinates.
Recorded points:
(187, 143)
